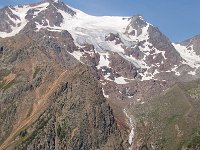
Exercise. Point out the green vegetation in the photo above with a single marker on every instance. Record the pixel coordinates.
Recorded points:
(30, 111)
(8, 85)
(171, 118)
(60, 132)
(3, 73)
(28, 137)
(4, 86)
(63, 131)
(9, 111)
(194, 142)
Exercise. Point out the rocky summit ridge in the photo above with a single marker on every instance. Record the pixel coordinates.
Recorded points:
(69, 80)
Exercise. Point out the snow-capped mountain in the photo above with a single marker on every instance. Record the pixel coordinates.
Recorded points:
(59, 63)
(107, 40)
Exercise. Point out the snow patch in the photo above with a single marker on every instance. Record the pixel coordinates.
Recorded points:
(132, 125)
(106, 96)
(120, 80)
(106, 77)
(55, 1)
(77, 55)
(190, 57)
(103, 60)
(40, 8)
(130, 96)
(192, 73)
(175, 70)
(149, 76)
(21, 12)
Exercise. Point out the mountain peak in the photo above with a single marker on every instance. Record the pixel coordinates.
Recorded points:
(51, 1)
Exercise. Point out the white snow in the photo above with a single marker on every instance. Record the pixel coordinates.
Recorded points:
(147, 50)
(145, 34)
(77, 55)
(149, 76)
(56, 1)
(14, 20)
(40, 8)
(102, 82)
(89, 29)
(138, 63)
(20, 24)
(190, 57)
(21, 12)
(115, 48)
(192, 73)
(92, 29)
(146, 76)
(103, 60)
(175, 70)
(131, 29)
(106, 96)
(130, 96)
(132, 125)
(120, 80)
(106, 77)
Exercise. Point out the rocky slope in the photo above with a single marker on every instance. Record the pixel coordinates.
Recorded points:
(170, 121)
(49, 101)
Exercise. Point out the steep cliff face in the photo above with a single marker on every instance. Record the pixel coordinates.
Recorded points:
(49, 100)
(76, 117)
(28, 69)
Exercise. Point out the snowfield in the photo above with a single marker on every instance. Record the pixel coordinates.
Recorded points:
(88, 29)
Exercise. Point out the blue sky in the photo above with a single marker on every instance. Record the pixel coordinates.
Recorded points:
(178, 19)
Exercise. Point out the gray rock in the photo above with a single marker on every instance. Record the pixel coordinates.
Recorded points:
(194, 41)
